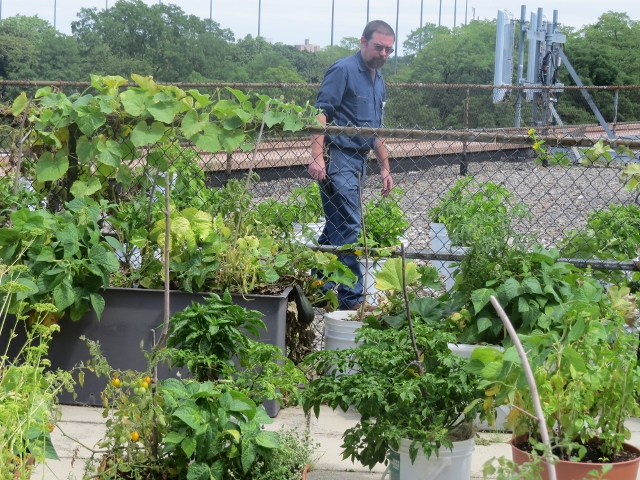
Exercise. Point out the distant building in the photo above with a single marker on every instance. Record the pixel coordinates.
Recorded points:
(308, 47)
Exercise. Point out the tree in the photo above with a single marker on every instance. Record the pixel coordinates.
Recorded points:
(421, 37)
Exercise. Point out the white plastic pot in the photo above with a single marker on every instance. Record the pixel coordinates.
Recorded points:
(340, 332)
(370, 276)
(452, 464)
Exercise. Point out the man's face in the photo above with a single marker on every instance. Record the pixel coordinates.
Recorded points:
(376, 51)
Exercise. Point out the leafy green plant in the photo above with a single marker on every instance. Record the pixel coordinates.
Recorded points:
(472, 210)
(27, 391)
(296, 451)
(65, 256)
(530, 290)
(88, 140)
(305, 204)
(612, 233)
(384, 220)
(587, 360)
(178, 428)
(210, 338)
(406, 384)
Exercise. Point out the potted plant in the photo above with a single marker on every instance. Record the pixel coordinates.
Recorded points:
(413, 395)
(587, 377)
(384, 225)
(207, 426)
(470, 213)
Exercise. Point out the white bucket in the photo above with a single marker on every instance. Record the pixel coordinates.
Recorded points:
(340, 333)
(371, 294)
(339, 330)
(452, 464)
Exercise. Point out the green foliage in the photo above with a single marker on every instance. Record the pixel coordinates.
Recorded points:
(287, 462)
(532, 290)
(216, 329)
(82, 152)
(385, 221)
(612, 233)
(68, 262)
(393, 399)
(198, 429)
(588, 360)
(27, 391)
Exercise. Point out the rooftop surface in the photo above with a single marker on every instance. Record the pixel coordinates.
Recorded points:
(86, 425)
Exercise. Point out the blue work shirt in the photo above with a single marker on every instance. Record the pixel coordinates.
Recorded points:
(349, 96)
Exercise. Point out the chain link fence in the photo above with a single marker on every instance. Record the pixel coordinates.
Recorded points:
(446, 143)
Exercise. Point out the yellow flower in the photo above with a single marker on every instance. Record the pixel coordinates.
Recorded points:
(358, 252)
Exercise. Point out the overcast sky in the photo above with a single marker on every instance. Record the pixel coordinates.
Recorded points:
(293, 21)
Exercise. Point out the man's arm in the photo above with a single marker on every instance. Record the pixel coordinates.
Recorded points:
(383, 160)
(317, 167)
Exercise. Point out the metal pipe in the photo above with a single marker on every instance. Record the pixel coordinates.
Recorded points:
(520, 79)
(259, 15)
(455, 11)
(420, 37)
(333, 4)
(440, 13)
(395, 59)
(211, 10)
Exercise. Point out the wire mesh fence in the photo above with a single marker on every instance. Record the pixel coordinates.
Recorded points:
(557, 186)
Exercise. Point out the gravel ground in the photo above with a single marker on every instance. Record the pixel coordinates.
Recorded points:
(559, 198)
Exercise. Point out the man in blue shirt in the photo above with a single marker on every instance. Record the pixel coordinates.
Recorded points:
(352, 94)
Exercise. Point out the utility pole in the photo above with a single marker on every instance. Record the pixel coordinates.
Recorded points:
(211, 10)
(395, 60)
(259, 13)
(367, 9)
(420, 37)
(455, 11)
(333, 5)
(440, 13)
(55, 6)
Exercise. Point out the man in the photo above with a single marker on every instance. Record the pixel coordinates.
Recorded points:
(352, 94)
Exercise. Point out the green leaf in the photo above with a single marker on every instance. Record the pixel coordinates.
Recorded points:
(232, 140)
(248, 455)
(144, 134)
(192, 123)
(390, 276)
(63, 296)
(110, 153)
(273, 118)
(480, 298)
(209, 140)
(189, 413)
(90, 119)
(531, 285)
(165, 111)
(85, 149)
(202, 99)
(268, 439)
(492, 370)
(134, 101)
(511, 355)
(292, 123)
(511, 288)
(483, 324)
(97, 303)
(19, 104)
(200, 471)
(188, 446)
(49, 169)
(174, 437)
(85, 189)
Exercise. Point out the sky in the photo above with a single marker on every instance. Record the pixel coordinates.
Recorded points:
(293, 21)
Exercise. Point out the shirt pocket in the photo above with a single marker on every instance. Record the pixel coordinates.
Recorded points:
(364, 109)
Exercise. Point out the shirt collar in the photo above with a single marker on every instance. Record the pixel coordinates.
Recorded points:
(363, 66)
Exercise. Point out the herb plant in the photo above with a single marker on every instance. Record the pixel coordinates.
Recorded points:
(385, 221)
(588, 360)
(406, 384)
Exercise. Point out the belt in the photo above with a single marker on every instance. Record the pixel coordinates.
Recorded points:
(359, 152)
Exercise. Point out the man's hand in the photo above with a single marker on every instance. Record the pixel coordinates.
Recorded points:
(317, 168)
(387, 183)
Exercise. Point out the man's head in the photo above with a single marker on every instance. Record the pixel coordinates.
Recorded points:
(376, 43)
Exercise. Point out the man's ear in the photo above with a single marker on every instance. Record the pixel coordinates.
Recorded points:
(363, 42)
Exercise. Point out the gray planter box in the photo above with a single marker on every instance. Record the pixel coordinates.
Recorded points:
(132, 316)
